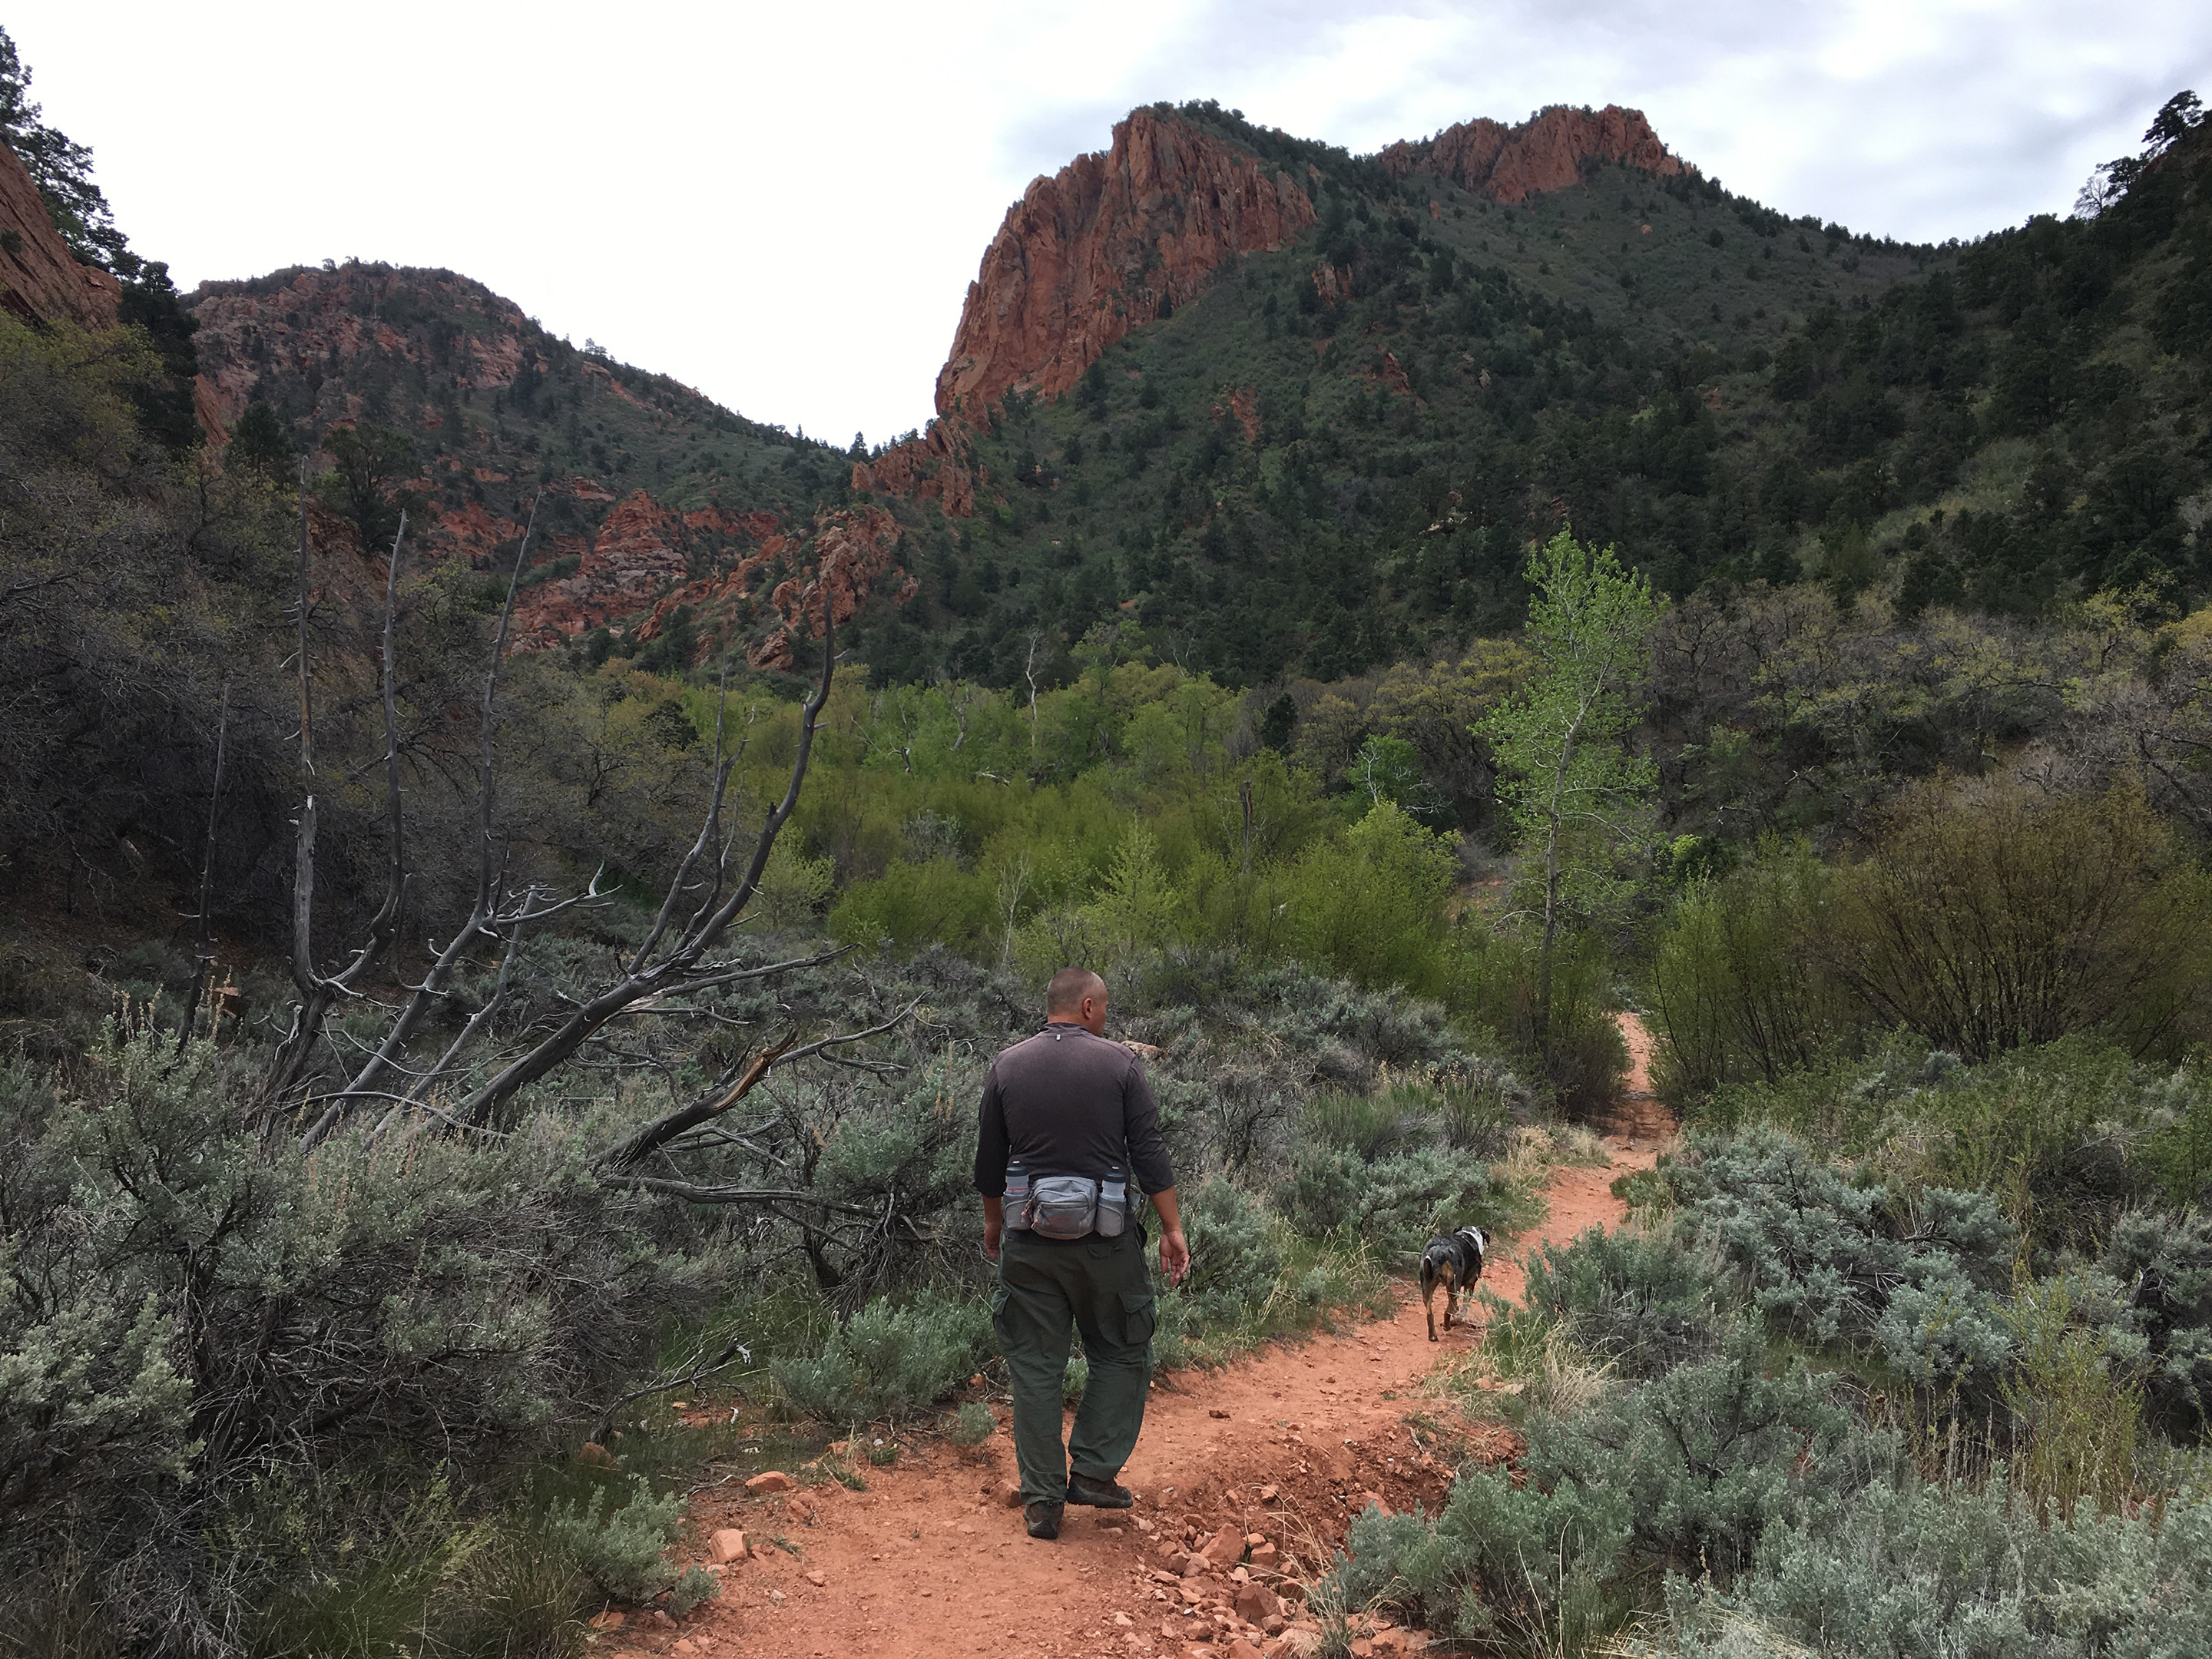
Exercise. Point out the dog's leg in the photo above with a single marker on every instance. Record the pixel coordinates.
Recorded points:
(1451, 1298)
(1428, 1304)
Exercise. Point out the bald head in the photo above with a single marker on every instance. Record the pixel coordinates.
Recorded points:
(1079, 995)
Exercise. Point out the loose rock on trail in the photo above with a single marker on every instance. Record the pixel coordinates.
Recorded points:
(1269, 1458)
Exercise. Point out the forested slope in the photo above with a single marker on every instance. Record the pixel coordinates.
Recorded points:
(1337, 456)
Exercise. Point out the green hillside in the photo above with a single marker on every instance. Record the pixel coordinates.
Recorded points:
(1730, 395)
(569, 410)
(486, 397)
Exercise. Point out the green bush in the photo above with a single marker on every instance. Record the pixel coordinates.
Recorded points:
(1824, 1256)
(1369, 1126)
(1684, 1471)
(1372, 909)
(339, 1304)
(1981, 919)
(887, 1361)
(1234, 1256)
(1321, 1192)
(972, 1424)
(1503, 1566)
(1909, 1570)
(1990, 919)
(2067, 1136)
(2166, 1262)
(2074, 1392)
(1408, 1200)
(1732, 996)
(1396, 1205)
(622, 1549)
(1493, 981)
(1643, 1302)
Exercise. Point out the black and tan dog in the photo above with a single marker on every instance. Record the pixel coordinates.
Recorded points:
(1454, 1262)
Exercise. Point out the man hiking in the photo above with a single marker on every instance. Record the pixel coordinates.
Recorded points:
(1067, 1122)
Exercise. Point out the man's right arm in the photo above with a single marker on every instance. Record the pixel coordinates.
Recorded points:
(1174, 1250)
(1152, 1171)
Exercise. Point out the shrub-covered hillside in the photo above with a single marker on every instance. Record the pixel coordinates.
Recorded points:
(1894, 1392)
(1335, 458)
(489, 404)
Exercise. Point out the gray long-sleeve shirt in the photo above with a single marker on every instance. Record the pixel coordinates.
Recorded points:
(1067, 1103)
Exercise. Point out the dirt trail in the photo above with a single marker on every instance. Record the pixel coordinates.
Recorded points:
(1290, 1442)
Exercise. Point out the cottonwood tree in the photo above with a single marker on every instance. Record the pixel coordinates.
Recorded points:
(1582, 802)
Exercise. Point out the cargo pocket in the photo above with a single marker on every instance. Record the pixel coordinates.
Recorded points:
(1140, 1313)
(1000, 1322)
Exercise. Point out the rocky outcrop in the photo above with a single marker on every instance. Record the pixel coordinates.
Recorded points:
(40, 281)
(855, 551)
(315, 324)
(1511, 164)
(1388, 373)
(1245, 404)
(325, 342)
(640, 554)
(772, 591)
(1112, 241)
(939, 466)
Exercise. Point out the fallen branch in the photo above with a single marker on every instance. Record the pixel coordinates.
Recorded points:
(733, 1352)
(633, 1151)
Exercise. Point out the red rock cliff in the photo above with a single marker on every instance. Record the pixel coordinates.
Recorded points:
(1511, 164)
(40, 280)
(1105, 245)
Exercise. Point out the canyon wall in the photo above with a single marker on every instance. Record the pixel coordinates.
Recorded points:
(1111, 241)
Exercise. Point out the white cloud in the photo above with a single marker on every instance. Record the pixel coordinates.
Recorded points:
(784, 205)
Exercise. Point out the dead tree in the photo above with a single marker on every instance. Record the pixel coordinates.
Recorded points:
(680, 957)
(203, 955)
(319, 991)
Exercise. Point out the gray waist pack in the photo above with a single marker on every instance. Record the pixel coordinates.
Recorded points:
(1075, 1207)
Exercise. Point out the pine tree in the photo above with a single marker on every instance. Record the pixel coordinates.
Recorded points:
(62, 172)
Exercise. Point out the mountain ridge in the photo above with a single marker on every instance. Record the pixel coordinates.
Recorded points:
(1112, 242)
(1276, 408)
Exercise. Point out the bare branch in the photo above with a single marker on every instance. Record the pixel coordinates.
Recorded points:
(732, 1353)
(483, 922)
(694, 1192)
(641, 977)
(707, 981)
(634, 1149)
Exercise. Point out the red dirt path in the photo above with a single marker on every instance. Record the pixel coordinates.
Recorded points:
(929, 1562)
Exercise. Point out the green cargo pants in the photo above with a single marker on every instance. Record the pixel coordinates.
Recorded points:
(1100, 1285)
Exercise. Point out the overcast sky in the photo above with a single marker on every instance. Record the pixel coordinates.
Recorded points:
(783, 205)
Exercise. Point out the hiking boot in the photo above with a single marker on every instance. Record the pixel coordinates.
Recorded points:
(1099, 1494)
(1043, 1518)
